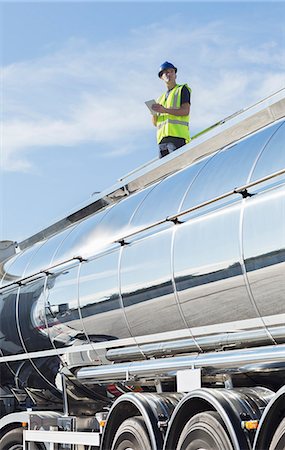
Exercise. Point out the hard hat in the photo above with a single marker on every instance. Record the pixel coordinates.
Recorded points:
(166, 65)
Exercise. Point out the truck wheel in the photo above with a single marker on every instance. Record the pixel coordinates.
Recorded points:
(278, 441)
(132, 435)
(13, 440)
(204, 431)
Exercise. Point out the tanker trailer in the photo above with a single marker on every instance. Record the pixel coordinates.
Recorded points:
(152, 318)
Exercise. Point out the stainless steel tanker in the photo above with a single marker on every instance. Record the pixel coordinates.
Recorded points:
(153, 317)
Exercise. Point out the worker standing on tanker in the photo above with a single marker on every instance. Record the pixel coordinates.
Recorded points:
(173, 109)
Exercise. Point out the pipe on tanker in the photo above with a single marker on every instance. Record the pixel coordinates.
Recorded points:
(237, 339)
(224, 360)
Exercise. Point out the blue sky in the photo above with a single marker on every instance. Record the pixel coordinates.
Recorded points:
(75, 76)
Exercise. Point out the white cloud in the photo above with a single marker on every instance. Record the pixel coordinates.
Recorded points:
(95, 93)
(267, 53)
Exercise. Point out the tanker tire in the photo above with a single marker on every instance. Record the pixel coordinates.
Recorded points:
(13, 440)
(204, 431)
(132, 435)
(278, 441)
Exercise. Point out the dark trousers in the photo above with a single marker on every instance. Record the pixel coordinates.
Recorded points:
(166, 148)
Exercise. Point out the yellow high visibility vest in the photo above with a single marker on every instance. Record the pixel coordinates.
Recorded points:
(168, 125)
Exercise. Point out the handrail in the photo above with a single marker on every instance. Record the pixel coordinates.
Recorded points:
(174, 218)
(242, 190)
(47, 271)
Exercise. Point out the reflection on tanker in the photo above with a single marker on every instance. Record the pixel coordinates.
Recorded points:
(204, 272)
(44, 321)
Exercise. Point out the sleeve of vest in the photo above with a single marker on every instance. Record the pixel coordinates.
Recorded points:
(185, 95)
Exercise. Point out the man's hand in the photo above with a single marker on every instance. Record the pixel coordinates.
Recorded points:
(182, 111)
(154, 120)
(158, 108)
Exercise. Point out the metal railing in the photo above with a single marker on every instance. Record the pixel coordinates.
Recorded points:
(242, 190)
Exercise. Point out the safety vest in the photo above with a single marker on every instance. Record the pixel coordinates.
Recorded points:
(168, 125)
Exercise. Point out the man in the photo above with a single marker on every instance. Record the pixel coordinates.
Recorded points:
(172, 108)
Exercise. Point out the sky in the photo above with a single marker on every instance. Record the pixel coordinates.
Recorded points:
(75, 75)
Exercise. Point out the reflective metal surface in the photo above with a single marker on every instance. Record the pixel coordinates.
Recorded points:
(146, 285)
(264, 216)
(10, 342)
(83, 240)
(42, 259)
(62, 320)
(265, 263)
(30, 316)
(30, 320)
(223, 341)
(233, 361)
(118, 221)
(99, 232)
(215, 276)
(208, 273)
(165, 198)
(100, 302)
(272, 157)
(15, 267)
(227, 169)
